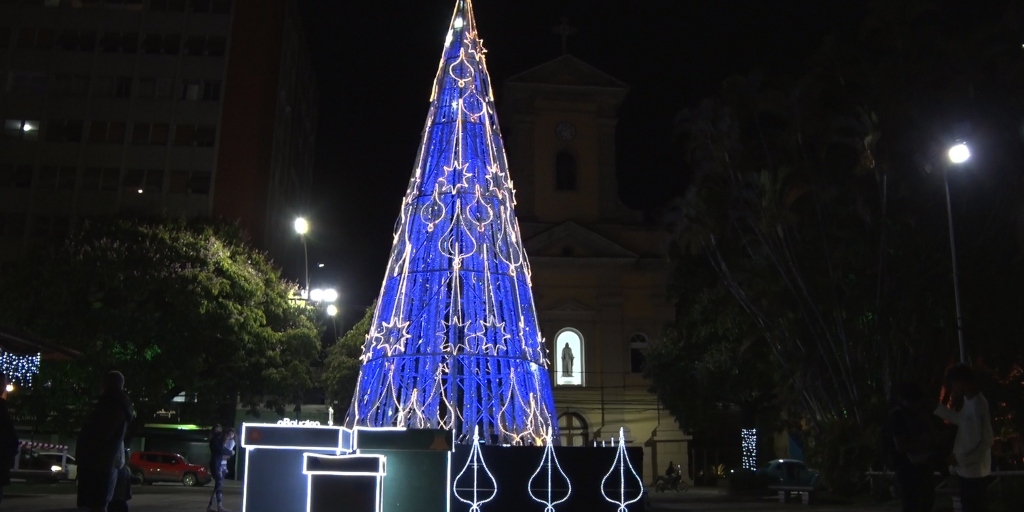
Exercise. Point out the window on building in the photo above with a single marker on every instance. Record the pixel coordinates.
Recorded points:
(95, 179)
(52, 177)
(26, 39)
(41, 225)
(185, 182)
(62, 130)
(569, 362)
(21, 129)
(112, 87)
(104, 132)
(140, 134)
(164, 88)
(199, 182)
(28, 83)
(151, 44)
(110, 42)
(167, 5)
(15, 175)
(171, 44)
(220, 7)
(191, 90)
(203, 135)
(160, 134)
(123, 87)
(195, 45)
(129, 42)
(216, 46)
(572, 430)
(70, 86)
(211, 90)
(206, 135)
(86, 41)
(184, 135)
(154, 181)
(638, 352)
(12, 224)
(565, 171)
(133, 180)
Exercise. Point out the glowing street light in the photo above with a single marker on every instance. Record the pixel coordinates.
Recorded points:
(301, 226)
(332, 310)
(323, 295)
(958, 154)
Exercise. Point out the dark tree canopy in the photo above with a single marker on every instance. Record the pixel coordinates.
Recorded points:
(177, 307)
(812, 257)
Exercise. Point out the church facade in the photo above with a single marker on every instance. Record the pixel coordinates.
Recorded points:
(599, 273)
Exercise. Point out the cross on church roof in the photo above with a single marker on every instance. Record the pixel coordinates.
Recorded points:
(565, 30)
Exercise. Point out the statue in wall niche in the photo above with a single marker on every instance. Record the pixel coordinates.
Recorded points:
(567, 359)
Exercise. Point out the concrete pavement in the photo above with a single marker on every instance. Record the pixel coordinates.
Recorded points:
(176, 498)
(150, 498)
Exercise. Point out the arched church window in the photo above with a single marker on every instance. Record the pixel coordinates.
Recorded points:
(637, 352)
(572, 430)
(569, 358)
(565, 171)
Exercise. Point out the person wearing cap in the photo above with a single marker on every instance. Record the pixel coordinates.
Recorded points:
(972, 451)
(100, 448)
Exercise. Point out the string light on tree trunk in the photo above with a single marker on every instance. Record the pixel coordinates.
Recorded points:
(749, 436)
(454, 342)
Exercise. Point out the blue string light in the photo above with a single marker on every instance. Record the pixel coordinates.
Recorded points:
(19, 369)
(454, 342)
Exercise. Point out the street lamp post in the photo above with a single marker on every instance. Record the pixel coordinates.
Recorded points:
(302, 227)
(958, 154)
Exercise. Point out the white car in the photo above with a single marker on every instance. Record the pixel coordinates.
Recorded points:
(54, 458)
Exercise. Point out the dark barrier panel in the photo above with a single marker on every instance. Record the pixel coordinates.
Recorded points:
(585, 467)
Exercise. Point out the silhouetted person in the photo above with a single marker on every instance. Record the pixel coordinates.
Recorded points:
(671, 469)
(910, 425)
(972, 450)
(8, 439)
(122, 487)
(100, 449)
(217, 469)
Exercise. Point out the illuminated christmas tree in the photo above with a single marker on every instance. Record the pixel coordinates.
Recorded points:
(454, 342)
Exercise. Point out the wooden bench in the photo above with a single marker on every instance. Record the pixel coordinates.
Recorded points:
(786, 492)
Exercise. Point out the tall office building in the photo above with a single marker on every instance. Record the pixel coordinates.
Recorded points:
(181, 108)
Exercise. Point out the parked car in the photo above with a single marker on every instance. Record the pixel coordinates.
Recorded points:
(33, 467)
(788, 472)
(70, 467)
(152, 467)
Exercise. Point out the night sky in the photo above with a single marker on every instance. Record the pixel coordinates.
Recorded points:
(375, 64)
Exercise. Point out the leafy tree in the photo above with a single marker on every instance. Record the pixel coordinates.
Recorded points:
(818, 205)
(177, 307)
(341, 369)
